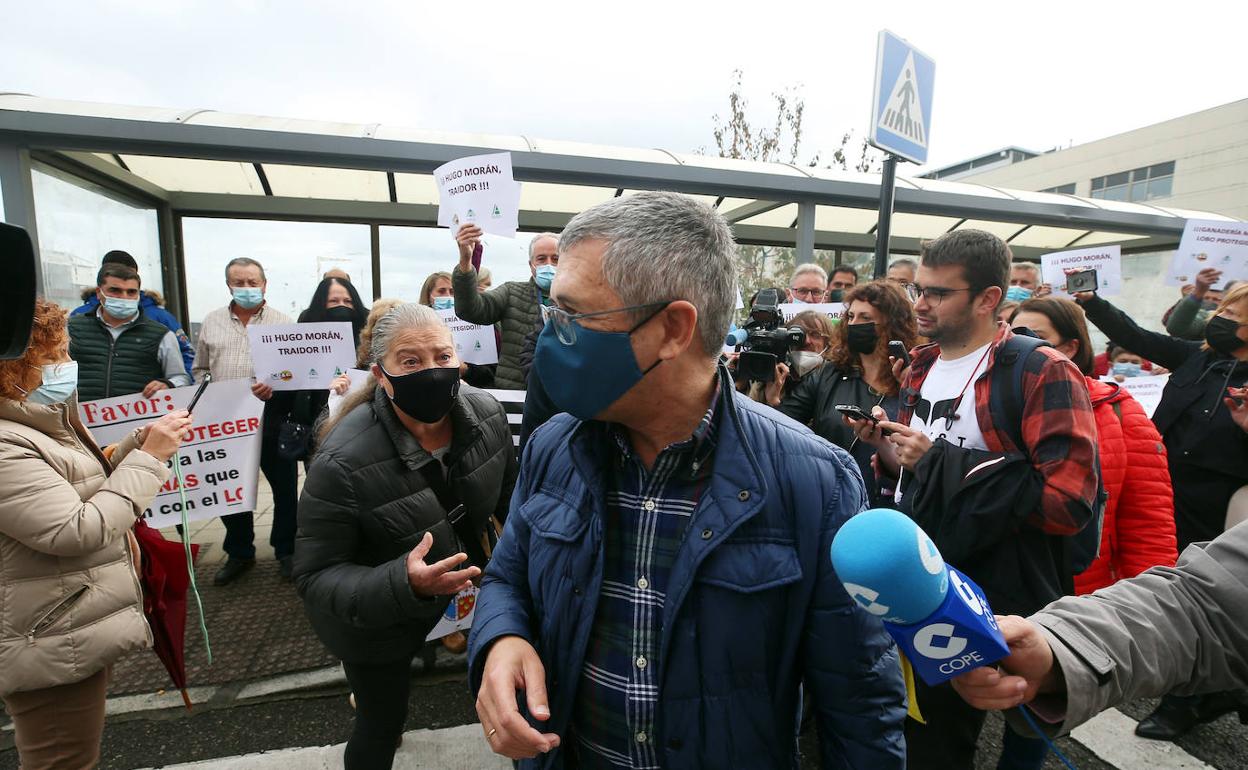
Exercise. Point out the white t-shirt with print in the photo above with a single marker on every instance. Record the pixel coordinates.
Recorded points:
(944, 381)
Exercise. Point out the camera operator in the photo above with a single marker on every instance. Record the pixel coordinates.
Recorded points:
(764, 362)
(859, 373)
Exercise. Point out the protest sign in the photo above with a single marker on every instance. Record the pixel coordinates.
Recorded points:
(479, 190)
(358, 377)
(301, 356)
(220, 460)
(1105, 260)
(834, 310)
(1211, 243)
(1146, 389)
(473, 343)
(458, 614)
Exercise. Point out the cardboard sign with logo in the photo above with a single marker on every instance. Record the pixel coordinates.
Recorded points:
(473, 343)
(1210, 243)
(479, 190)
(301, 356)
(220, 460)
(833, 310)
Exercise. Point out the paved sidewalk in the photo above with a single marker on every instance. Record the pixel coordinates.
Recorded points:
(256, 625)
(452, 748)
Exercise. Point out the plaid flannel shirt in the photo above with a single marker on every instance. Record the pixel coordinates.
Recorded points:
(647, 515)
(1059, 429)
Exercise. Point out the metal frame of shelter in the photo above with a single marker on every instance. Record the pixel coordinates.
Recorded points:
(777, 204)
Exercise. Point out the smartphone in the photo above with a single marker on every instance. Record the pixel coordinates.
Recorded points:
(897, 349)
(202, 387)
(855, 412)
(1083, 280)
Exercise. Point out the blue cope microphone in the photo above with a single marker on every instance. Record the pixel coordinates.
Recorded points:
(736, 337)
(894, 571)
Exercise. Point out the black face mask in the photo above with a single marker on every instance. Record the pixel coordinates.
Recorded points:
(836, 295)
(427, 395)
(341, 313)
(1222, 334)
(861, 338)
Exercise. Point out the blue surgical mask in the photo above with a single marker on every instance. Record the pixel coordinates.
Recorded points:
(591, 374)
(443, 303)
(544, 277)
(1126, 369)
(248, 297)
(124, 309)
(1017, 294)
(59, 383)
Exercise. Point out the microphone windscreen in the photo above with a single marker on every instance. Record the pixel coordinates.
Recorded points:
(890, 566)
(736, 337)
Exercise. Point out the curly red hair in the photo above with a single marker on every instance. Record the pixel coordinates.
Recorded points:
(48, 337)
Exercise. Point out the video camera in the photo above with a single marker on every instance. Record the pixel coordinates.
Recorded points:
(17, 294)
(763, 341)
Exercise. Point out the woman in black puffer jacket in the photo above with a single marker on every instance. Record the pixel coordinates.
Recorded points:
(399, 513)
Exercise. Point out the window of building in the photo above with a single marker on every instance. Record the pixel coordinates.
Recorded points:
(79, 223)
(1139, 184)
(1061, 189)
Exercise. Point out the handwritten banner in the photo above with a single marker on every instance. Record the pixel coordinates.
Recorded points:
(219, 461)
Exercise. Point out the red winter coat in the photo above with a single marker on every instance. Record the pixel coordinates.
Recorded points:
(1138, 528)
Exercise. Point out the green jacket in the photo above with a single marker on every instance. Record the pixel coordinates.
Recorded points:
(108, 367)
(514, 306)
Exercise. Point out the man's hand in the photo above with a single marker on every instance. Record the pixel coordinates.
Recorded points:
(1043, 290)
(774, 390)
(468, 236)
(153, 387)
(1238, 406)
(340, 385)
(261, 391)
(512, 664)
(908, 444)
(1205, 280)
(1029, 670)
(437, 579)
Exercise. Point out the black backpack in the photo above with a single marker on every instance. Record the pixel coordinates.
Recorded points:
(1005, 403)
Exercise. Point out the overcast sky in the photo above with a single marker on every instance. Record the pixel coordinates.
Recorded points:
(637, 73)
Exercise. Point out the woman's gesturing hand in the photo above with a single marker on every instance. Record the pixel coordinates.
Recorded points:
(440, 578)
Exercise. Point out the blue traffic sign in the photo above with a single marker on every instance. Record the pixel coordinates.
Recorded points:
(901, 109)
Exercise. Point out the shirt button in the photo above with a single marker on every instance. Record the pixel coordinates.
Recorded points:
(642, 662)
(648, 505)
(642, 737)
(707, 534)
(642, 583)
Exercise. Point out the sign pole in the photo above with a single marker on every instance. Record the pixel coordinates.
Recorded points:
(888, 182)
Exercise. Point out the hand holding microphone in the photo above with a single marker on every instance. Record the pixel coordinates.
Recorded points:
(895, 572)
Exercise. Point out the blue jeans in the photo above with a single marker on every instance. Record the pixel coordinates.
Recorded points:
(1021, 753)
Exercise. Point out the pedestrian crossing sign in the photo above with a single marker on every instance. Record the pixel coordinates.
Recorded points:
(901, 114)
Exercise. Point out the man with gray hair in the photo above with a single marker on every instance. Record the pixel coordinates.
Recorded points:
(223, 350)
(663, 586)
(902, 271)
(809, 284)
(515, 306)
(1025, 283)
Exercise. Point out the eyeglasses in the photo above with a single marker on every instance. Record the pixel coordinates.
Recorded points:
(565, 323)
(807, 292)
(934, 295)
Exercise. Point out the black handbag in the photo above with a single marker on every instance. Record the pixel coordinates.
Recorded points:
(294, 435)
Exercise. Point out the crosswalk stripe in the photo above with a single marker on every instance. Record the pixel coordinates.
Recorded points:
(1111, 736)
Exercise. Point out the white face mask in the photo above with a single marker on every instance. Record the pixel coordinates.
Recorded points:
(805, 361)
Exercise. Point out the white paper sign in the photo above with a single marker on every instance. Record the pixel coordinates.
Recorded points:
(458, 614)
(1211, 243)
(1146, 389)
(301, 356)
(473, 343)
(479, 190)
(220, 462)
(358, 377)
(833, 310)
(1105, 260)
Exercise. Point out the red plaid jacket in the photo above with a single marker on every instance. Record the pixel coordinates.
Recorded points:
(1059, 429)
